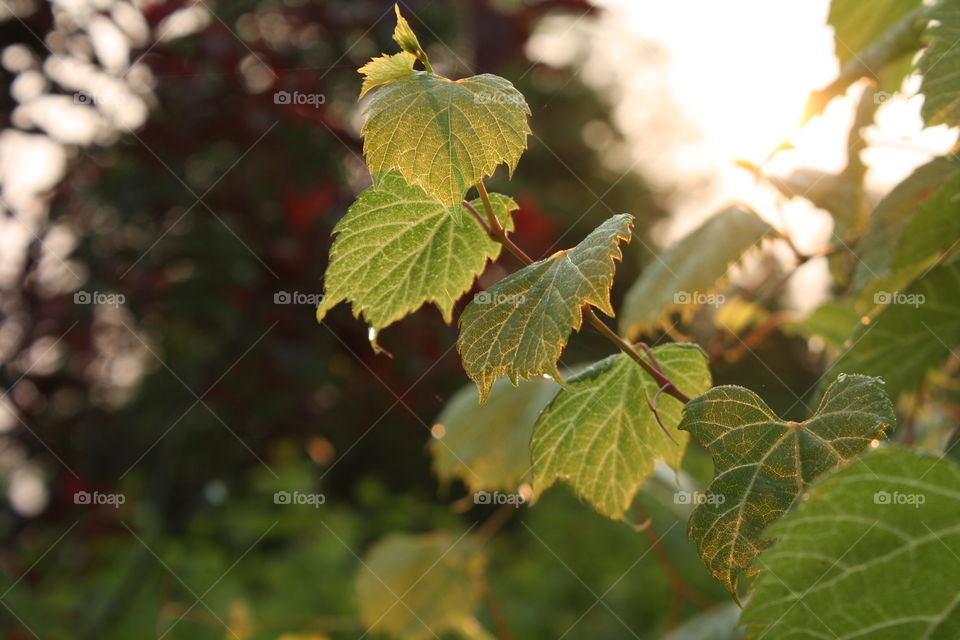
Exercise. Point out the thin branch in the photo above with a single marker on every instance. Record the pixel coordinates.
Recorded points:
(496, 229)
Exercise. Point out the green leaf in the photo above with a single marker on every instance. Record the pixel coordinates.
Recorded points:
(404, 36)
(386, 69)
(600, 436)
(856, 23)
(762, 463)
(892, 215)
(874, 552)
(488, 446)
(520, 325)
(688, 269)
(934, 227)
(397, 248)
(832, 321)
(912, 334)
(940, 66)
(414, 587)
(716, 623)
(445, 135)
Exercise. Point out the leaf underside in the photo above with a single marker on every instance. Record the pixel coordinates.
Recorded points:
(444, 135)
(519, 326)
(397, 248)
(762, 463)
(692, 266)
(874, 552)
(600, 436)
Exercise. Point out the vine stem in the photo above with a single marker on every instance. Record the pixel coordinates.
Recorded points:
(496, 231)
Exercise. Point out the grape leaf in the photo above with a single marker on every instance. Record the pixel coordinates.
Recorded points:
(933, 228)
(445, 135)
(599, 435)
(689, 268)
(488, 446)
(873, 552)
(912, 334)
(762, 463)
(716, 623)
(832, 321)
(386, 69)
(404, 36)
(940, 66)
(892, 215)
(397, 248)
(415, 587)
(520, 325)
(856, 24)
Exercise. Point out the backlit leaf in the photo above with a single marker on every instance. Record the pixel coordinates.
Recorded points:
(415, 587)
(519, 326)
(386, 69)
(934, 227)
(685, 272)
(445, 135)
(398, 248)
(600, 436)
(762, 463)
(488, 446)
(873, 553)
(940, 67)
(856, 23)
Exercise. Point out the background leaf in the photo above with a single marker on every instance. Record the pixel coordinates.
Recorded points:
(488, 446)
(864, 558)
(414, 587)
(934, 227)
(445, 135)
(856, 23)
(912, 334)
(600, 436)
(519, 326)
(692, 265)
(940, 66)
(398, 248)
(762, 463)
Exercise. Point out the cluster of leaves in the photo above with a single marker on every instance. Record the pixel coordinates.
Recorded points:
(415, 237)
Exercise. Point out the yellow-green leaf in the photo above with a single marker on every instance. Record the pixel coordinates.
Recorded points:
(519, 326)
(762, 462)
(940, 66)
(415, 587)
(683, 274)
(488, 446)
(445, 135)
(398, 248)
(600, 436)
(872, 553)
(386, 69)
(404, 36)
